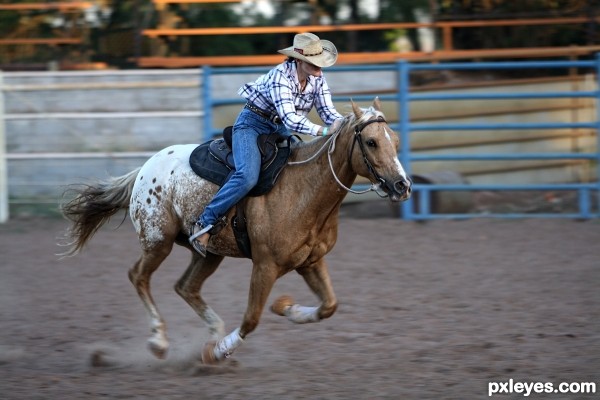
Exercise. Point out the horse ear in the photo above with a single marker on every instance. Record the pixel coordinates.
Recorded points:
(377, 104)
(357, 111)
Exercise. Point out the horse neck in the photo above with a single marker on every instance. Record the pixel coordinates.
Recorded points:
(317, 177)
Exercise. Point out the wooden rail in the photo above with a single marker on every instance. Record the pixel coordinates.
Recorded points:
(369, 58)
(61, 6)
(46, 41)
(255, 30)
(46, 6)
(445, 26)
(446, 53)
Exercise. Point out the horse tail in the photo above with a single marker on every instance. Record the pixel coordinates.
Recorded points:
(93, 205)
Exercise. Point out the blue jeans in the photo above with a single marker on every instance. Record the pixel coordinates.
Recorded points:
(246, 157)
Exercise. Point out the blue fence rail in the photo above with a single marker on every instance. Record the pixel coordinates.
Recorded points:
(403, 97)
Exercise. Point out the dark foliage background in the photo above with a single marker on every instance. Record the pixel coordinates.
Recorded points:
(113, 35)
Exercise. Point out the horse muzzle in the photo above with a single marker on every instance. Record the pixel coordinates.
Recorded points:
(399, 190)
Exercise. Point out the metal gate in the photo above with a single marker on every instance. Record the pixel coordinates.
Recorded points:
(419, 207)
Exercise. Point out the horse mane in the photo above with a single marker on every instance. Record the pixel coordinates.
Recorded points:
(350, 120)
(348, 123)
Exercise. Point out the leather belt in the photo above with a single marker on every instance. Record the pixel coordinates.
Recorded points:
(271, 117)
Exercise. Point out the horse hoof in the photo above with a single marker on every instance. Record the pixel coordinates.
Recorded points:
(208, 353)
(280, 305)
(158, 348)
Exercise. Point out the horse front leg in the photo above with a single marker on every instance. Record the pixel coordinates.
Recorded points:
(317, 278)
(261, 282)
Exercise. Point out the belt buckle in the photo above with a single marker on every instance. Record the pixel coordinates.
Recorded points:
(276, 119)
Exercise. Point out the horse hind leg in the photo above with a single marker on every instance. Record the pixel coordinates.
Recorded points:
(317, 278)
(139, 275)
(190, 284)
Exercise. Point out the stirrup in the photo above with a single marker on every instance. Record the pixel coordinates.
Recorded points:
(199, 247)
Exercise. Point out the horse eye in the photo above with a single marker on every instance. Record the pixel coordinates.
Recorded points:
(371, 143)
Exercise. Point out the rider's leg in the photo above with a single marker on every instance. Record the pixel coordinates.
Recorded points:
(246, 156)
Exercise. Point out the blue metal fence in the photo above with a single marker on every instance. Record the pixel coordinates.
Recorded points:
(404, 97)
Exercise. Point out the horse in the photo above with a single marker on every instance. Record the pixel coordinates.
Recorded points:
(291, 228)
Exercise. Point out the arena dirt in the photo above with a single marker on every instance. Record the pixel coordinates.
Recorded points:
(426, 311)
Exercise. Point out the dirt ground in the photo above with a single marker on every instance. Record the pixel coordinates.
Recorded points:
(427, 311)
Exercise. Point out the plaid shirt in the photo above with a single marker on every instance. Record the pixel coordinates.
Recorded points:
(278, 91)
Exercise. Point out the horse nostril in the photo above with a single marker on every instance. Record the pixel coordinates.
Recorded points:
(402, 186)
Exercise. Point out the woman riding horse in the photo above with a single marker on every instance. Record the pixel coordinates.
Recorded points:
(292, 227)
(276, 102)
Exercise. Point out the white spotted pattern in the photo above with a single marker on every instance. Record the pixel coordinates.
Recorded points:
(167, 178)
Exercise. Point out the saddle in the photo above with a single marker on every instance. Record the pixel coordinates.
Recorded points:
(213, 161)
(267, 144)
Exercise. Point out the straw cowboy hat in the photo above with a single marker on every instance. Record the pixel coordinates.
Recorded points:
(308, 47)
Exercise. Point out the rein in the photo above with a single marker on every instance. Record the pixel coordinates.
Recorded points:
(331, 141)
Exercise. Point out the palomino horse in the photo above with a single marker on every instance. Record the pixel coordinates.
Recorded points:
(292, 227)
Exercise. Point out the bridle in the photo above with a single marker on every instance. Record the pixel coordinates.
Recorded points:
(331, 141)
(358, 139)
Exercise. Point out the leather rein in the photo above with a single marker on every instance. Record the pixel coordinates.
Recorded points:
(357, 139)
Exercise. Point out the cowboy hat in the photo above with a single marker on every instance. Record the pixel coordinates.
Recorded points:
(308, 47)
